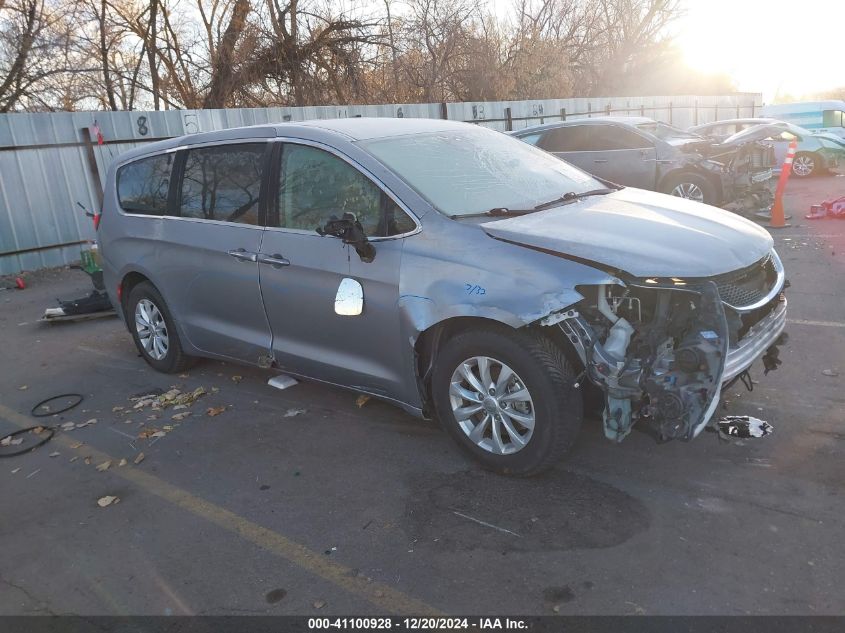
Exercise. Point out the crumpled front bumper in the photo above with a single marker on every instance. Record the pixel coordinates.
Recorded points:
(760, 337)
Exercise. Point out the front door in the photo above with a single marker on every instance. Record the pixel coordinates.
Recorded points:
(210, 249)
(301, 272)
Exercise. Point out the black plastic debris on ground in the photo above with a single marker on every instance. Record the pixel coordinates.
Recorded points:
(743, 426)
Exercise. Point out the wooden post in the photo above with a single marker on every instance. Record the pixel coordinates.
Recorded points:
(670, 113)
(607, 109)
(92, 166)
(444, 112)
(563, 114)
(508, 120)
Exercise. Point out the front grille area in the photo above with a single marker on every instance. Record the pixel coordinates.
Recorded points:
(749, 285)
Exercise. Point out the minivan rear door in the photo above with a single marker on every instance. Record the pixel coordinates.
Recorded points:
(209, 254)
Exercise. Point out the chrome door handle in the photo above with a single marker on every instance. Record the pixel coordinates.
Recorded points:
(600, 160)
(243, 255)
(275, 260)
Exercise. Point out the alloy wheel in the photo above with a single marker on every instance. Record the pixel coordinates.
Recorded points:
(803, 165)
(152, 329)
(492, 405)
(688, 190)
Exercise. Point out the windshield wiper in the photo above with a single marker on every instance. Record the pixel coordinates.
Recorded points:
(497, 212)
(572, 197)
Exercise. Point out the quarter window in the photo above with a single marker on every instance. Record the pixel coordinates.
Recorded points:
(223, 183)
(315, 186)
(143, 186)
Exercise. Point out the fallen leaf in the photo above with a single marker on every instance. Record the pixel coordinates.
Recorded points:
(107, 501)
(215, 389)
(55, 454)
(319, 604)
(180, 406)
(362, 400)
(104, 466)
(76, 445)
(122, 462)
(6, 441)
(184, 376)
(38, 430)
(237, 378)
(88, 460)
(830, 372)
(86, 423)
(74, 458)
(153, 417)
(23, 387)
(147, 433)
(158, 434)
(68, 426)
(15, 470)
(180, 416)
(116, 409)
(292, 413)
(212, 411)
(11, 441)
(138, 459)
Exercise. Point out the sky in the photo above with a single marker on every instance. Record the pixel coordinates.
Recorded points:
(794, 47)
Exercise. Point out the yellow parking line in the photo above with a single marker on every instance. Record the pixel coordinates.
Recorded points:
(383, 596)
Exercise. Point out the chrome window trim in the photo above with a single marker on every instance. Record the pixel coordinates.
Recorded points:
(366, 172)
(123, 212)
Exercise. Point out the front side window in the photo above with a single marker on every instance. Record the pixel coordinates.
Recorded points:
(472, 170)
(223, 183)
(316, 186)
(143, 186)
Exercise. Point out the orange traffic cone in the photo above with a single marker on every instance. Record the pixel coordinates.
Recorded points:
(778, 221)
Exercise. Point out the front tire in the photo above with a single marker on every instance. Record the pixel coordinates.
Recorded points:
(805, 165)
(692, 187)
(507, 397)
(154, 330)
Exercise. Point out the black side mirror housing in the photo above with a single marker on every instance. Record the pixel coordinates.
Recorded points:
(349, 229)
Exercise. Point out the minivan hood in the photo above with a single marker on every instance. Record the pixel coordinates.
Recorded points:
(643, 233)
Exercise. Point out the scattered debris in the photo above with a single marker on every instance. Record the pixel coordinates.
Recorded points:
(55, 454)
(15, 471)
(104, 466)
(76, 445)
(138, 459)
(33, 473)
(212, 411)
(86, 423)
(292, 413)
(108, 500)
(117, 408)
(122, 462)
(11, 441)
(180, 416)
(237, 379)
(172, 398)
(830, 372)
(68, 426)
(23, 387)
(362, 400)
(319, 604)
(74, 458)
(743, 426)
(88, 460)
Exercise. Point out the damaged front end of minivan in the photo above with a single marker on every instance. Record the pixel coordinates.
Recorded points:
(660, 349)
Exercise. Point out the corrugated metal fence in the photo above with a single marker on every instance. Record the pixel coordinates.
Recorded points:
(50, 167)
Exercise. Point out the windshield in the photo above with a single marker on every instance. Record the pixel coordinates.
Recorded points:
(666, 132)
(474, 170)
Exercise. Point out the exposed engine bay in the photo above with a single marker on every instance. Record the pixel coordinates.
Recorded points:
(658, 348)
(745, 171)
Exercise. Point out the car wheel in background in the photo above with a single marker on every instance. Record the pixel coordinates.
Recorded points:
(153, 330)
(692, 187)
(508, 398)
(805, 164)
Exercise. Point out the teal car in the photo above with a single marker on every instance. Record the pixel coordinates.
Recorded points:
(816, 153)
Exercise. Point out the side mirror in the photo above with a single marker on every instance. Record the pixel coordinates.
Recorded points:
(349, 229)
(349, 300)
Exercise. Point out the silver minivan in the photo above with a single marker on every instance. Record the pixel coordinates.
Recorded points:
(450, 269)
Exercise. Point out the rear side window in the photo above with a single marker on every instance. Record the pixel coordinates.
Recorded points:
(223, 183)
(572, 138)
(142, 186)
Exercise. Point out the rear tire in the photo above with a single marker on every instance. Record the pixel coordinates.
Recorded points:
(154, 330)
(692, 187)
(537, 387)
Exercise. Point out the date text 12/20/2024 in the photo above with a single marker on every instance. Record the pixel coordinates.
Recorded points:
(418, 624)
